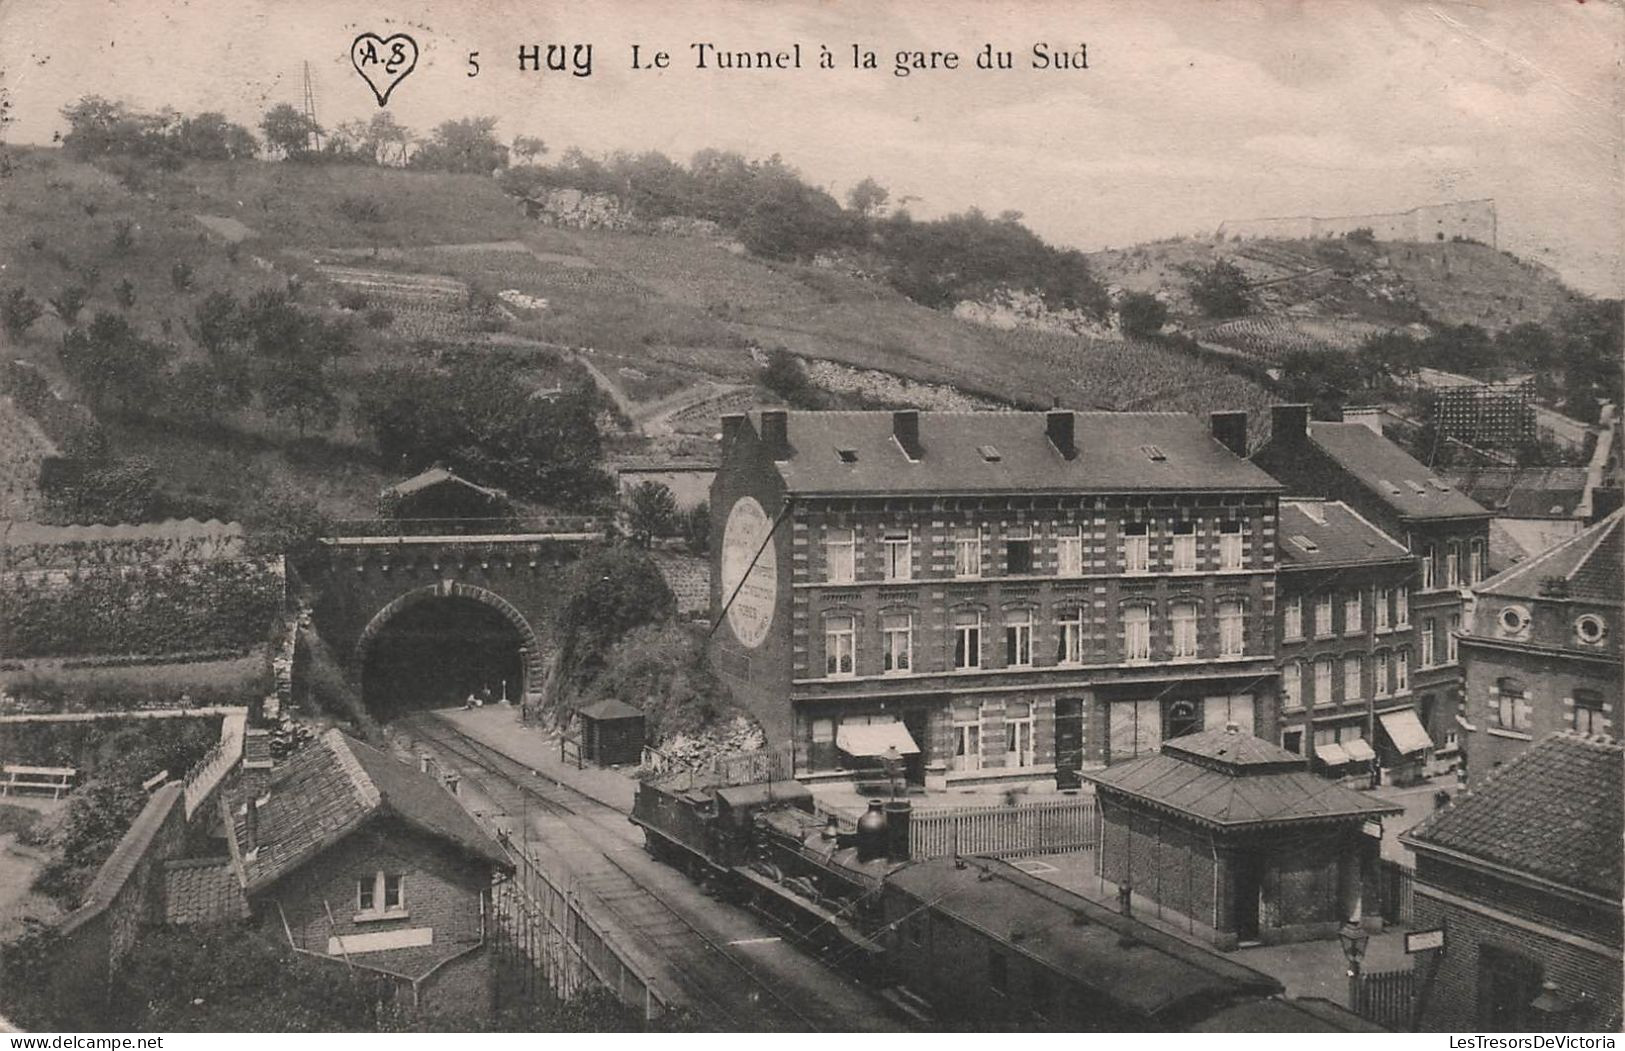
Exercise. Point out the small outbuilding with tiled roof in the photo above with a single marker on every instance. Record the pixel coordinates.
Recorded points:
(1524, 873)
(441, 493)
(1237, 835)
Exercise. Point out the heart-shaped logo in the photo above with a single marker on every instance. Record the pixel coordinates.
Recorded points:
(383, 63)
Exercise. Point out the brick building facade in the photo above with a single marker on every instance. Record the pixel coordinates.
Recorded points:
(1446, 530)
(1347, 644)
(1524, 875)
(1543, 650)
(1019, 592)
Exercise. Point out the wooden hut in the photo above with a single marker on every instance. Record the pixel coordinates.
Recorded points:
(611, 733)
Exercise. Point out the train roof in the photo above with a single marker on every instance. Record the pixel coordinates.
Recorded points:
(1135, 966)
(765, 792)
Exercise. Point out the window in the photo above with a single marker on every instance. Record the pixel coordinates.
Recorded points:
(1181, 719)
(1402, 671)
(968, 552)
(1018, 549)
(1353, 672)
(1323, 681)
(1069, 552)
(1402, 608)
(1232, 637)
(1292, 626)
(1513, 620)
(1511, 705)
(1136, 548)
(898, 547)
(380, 894)
(1380, 613)
(1379, 675)
(1428, 628)
(821, 756)
(1292, 685)
(1018, 638)
(897, 642)
(1476, 567)
(1069, 647)
(1353, 614)
(1588, 714)
(1323, 616)
(1137, 633)
(967, 639)
(1184, 547)
(840, 561)
(1452, 566)
(1450, 638)
(1018, 733)
(967, 739)
(1229, 545)
(1590, 629)
(1427, 568)
(1184, 617)
(840, 645)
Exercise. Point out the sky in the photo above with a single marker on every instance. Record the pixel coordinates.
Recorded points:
(1190, 112)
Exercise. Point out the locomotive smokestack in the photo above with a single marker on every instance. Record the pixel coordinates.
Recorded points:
(898, 812)
(872, 833)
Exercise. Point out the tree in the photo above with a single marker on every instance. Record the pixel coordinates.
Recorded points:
(281, 520)
(69, 302)
(528, 148)
(388, 139)
(104, 491)
(295, 354)
(1141, 314)
(19, 311)
(603, 596)
(651, 511)
(1220, 290)
(467, 145)
(868, 198)
(697, 528)
(111, 363)
(288, 130)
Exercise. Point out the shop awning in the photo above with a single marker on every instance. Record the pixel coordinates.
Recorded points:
(1331, 754)
(1359, 750)
(1405, 730)
(875, 739)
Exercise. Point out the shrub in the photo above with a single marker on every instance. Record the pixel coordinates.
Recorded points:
(1361, 235)
(180, 275)
(1220, 290)
(124, 292)
(353, 299)
(1142, 314)
(19, 311)
(69, 302)
(380, 318)
(123, 237)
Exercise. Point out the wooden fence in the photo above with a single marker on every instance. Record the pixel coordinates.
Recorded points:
(1006, 831)
(546, 939)
(1387, 998)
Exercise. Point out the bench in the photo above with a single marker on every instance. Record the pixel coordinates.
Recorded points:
(57, 780)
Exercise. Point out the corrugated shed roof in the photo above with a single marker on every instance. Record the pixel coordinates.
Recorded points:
(1553, 811)
(1523, 492)
(1254, 785)
(171, 531)
(334, 786)
(1011, 452)
(1590, 561)
(1390, 472)
(203, 890)
(1329, 532)
(1154, 974)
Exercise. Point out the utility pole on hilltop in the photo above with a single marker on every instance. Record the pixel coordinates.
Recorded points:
(315, 142)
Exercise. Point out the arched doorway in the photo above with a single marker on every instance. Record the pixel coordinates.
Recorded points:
(434, 647)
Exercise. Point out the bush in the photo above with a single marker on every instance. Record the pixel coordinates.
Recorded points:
(1220, 290)
(1361, 235)
(603, 596)
(123, 237)
(180, 275)
(124, 292)
(19, 311)
(69, 302)
(1142, 314)
(379, 318)
(353, 299)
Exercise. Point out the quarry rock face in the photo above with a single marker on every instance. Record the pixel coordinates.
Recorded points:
(580, 210)
(1016, 308)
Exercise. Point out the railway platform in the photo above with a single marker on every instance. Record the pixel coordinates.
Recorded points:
(498, 726)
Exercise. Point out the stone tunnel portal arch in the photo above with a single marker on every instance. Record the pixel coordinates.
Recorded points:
(433, 646)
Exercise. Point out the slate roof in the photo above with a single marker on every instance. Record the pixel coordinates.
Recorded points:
(1554, 812)
(438, 476)
(334, 786)
(1590, 561)
(1155, 974)
(976, 452)
(203, 890)
(1258, 785)
(1391, 473)
(1523, 492)
(1338, 536)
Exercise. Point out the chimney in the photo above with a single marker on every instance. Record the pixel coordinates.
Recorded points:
(905, 427)
(733, 424)
(1060, 425)
(257, 762)
(1230, 429)
(776, 433)
(251, 825)
(1289, 422)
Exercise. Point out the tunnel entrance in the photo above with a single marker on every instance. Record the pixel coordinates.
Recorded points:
(434, 653)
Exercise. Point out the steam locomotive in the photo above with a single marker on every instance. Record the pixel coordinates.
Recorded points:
(960, 943)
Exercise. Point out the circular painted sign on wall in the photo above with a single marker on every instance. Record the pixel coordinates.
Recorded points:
(751, 614)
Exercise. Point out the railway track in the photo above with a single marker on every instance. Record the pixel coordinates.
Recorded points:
(719, 980)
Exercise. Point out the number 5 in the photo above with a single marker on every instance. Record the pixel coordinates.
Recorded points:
(473, 61)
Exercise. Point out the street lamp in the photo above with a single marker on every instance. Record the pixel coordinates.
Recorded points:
(1354, 939)
(893, 758)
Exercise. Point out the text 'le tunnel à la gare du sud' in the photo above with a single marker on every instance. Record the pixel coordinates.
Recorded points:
(577, 59)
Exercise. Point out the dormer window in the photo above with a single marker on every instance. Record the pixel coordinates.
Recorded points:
(847, 455)
(1416, 487)
(1304, 543)
(1153, 453)
(989, 453)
